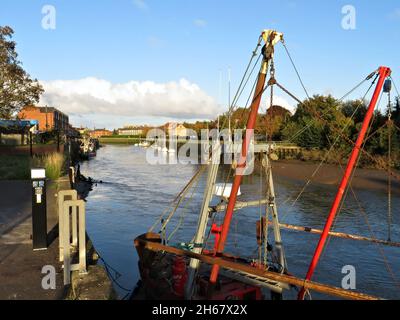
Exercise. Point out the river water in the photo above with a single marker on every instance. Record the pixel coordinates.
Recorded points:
(134, 194)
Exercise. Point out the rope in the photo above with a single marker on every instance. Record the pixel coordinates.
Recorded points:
(370, 156)
(380, 248)
(240, 89)
(360, 84)
(311, 122)
(248, 78)
(295, 68)
(180, 197)
(184, 212)
(349, 187)
(184, 191)
(395, 87)
(115, 278)
(326, 156)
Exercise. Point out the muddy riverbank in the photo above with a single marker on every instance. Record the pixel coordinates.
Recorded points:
(328, 174)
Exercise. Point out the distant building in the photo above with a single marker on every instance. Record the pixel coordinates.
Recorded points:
(49, 118)
(131, 131)
(98, 133)
(176, 129)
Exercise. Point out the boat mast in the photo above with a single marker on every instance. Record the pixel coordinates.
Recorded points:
(270, 38)
(383, 72)
(204, 215)
(275, 218)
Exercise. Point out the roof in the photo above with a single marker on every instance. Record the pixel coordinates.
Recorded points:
(44, 109)
(130, 129)
(16, 126)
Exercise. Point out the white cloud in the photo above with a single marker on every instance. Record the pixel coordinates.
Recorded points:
(140, 4)
(200, 23)
(278, 101)
(92, 96)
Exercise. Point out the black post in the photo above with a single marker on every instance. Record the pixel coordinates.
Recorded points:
(31, 143)
(39, 210)
(58, 140)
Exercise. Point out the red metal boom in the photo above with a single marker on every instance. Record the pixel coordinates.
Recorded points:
(384, 72)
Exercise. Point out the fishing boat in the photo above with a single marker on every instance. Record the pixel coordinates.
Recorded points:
(88, 148)
(194, 270)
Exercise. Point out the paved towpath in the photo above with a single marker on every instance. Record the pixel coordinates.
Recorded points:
(21, 268)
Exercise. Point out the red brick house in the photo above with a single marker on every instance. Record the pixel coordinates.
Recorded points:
(98, 133)
(49, 118)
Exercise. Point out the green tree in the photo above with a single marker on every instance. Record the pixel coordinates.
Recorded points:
(316, 123)
(17, 89)
(396, 112)
(356, 109)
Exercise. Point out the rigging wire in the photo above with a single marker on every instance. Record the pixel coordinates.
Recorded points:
(362, 210)
(311, 122)
(249, 76)
(295, 68)
(380, 248)
(360, 84)
(238, 93)
(326, 156)
(239, 90)
(178, 200)
(342, 204)
(395, 87)
(184, 212)
(369, 155)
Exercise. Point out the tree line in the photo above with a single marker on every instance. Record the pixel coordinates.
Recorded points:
(322, 122)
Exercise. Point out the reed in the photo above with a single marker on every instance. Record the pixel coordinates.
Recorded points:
(54, 164)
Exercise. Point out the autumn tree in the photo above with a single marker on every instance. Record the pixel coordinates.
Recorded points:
(17, 89)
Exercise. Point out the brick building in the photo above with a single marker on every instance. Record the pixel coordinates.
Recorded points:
(49, 118)
(98, 133)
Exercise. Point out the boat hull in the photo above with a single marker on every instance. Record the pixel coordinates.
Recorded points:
(162, 278)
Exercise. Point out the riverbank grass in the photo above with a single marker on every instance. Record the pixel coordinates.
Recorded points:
(17, 167)
(14, 167)
(54, 164)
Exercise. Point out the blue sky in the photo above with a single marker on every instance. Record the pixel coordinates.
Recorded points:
(156, 43)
